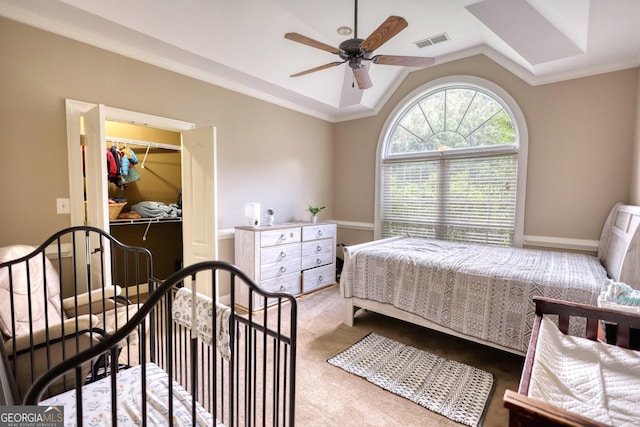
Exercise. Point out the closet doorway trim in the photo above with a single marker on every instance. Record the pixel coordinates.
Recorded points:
(74, 110)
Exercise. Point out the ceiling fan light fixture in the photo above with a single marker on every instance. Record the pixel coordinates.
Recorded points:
(355, 50)
(344, 30)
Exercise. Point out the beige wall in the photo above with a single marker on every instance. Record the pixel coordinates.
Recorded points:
(581, 139)
(635, 181)
(267, 154)
(581, 142)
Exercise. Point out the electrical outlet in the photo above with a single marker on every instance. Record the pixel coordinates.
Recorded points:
(62, 206)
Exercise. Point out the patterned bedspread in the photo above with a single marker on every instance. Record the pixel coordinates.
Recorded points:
(482, 291)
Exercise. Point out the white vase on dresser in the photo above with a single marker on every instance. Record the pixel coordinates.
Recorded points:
(297, 258)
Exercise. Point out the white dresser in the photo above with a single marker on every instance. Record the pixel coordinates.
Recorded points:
(297, 257)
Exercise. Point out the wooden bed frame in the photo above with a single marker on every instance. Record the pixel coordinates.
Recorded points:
(618, 251)
(525, 411)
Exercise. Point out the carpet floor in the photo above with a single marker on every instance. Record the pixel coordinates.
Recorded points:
(326, 396)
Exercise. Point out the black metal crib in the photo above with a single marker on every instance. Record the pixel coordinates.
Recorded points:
(180, 358)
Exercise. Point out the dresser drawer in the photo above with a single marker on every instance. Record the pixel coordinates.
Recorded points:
(310, 249)
(279, 237)
(317, 260)
(288, 266)
(322, 231)
(289, 283)
(275, 254)
(317, 278)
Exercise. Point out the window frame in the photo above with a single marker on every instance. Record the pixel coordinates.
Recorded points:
(477, 83)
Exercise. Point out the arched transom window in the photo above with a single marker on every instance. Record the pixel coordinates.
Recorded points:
(449, 166)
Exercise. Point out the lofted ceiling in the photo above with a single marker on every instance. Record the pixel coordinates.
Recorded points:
(240, 44)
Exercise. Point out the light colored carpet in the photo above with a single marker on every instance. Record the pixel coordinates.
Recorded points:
(459, 392)
(326, 396)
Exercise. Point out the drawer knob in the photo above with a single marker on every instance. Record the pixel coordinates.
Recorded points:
(282, 269)
(319, 248)
(283, 255)
(318, 261)
(319, 233)
(283, 237)
(282, 288)
(320, 279)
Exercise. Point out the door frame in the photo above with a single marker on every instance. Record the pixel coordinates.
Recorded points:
(74, 110)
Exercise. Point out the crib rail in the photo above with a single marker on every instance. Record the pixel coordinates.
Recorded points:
(64, 296)
(254, 386)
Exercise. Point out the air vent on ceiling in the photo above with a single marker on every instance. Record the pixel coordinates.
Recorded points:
(432, 40)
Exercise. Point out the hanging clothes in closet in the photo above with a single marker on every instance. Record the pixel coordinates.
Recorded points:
(113, 165)
(121, 166)
(129, 162)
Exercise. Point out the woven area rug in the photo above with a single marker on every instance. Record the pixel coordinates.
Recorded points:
(455, 390)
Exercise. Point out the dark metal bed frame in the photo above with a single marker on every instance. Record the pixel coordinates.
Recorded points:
(256, 386)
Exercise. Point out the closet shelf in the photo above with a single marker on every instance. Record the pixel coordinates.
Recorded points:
(147, 144)
(144, 221)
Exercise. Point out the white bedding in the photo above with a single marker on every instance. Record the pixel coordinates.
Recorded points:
(96, 398)
(481, 291)
(590, 378)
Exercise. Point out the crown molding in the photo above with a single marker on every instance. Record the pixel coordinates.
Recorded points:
(57, 27)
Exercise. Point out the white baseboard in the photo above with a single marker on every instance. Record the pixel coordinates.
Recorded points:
(226, 233)
(354, 225)
(529, 240)
(229, 233)
(66, 250)
(561, 243)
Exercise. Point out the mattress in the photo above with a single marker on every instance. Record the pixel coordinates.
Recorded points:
(589, 378)
(96, 399)
(481, 291)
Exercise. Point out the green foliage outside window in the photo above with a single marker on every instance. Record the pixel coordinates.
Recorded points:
(442, 178)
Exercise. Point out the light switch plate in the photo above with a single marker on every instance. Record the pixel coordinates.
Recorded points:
(62, 206)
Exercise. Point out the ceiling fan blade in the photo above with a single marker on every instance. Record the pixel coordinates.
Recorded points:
(389, 28)
(407, 61)
(313, 70)
(362, 78)
(311, 42)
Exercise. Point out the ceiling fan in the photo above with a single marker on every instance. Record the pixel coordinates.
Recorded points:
(355, 50)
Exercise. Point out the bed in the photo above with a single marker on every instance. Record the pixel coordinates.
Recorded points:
(484, 293)
(571, 381)
(179, 358)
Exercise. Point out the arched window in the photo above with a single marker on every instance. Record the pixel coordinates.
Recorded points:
(452, 165)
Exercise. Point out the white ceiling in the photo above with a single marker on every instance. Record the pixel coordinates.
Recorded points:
(240, 44)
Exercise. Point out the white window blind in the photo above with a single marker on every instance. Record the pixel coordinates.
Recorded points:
(453, 165)
(464, 199)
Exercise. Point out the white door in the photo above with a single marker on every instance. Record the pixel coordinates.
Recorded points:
(96, 193)
(96, 168)
(199, 230)
(199, 221)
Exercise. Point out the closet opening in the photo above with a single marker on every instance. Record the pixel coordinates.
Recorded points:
(145, 207)
(179, 169)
